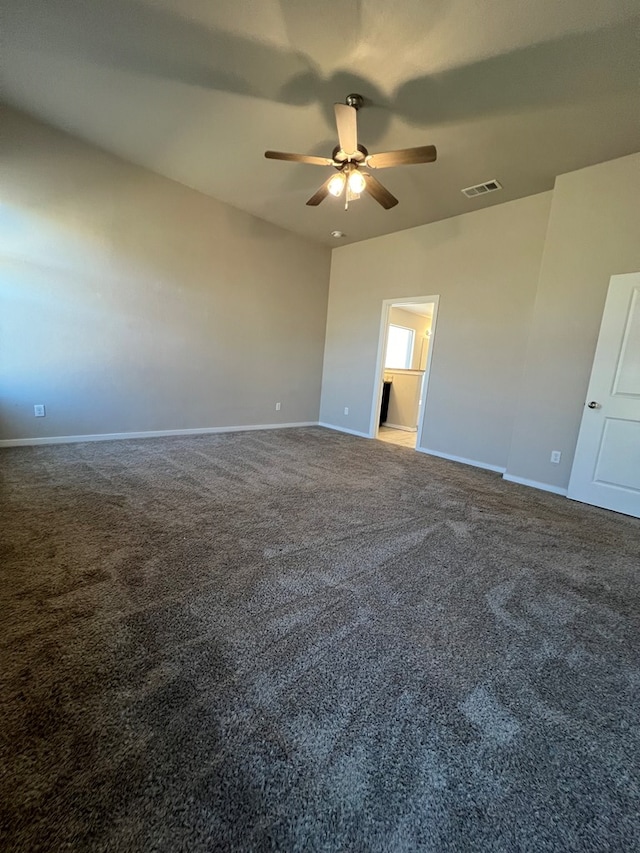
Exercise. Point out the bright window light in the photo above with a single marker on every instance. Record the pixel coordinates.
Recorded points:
(399, 348)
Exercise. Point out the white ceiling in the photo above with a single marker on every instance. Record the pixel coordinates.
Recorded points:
(518, 90)
(423, 309)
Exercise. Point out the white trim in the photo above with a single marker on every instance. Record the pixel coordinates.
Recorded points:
(116, 436)
(451, 458)
(544, 487)
(399, 426)
(344, 429)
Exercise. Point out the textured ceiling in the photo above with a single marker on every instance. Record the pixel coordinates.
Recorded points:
(197, 90)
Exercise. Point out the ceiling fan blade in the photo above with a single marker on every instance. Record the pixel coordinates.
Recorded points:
(320, 194)
(404, 157)
(298, 158)
(380, 193)
(346, 122)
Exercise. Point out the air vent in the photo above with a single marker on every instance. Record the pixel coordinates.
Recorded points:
(482, 189)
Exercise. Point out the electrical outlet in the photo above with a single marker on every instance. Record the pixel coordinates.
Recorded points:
(346, 410)
(555, 457)
(39, 411)
(278, 405)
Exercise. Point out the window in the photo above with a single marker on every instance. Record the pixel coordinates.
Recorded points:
(399, 348)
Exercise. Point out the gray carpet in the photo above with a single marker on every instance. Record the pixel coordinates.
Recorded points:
(302, 641)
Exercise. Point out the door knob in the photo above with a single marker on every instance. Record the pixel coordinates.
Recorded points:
(594, 405)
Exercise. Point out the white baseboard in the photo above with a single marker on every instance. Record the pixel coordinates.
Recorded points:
(344, 429)
(160, 433)
(398, 426)
(474, 462)
(545, 487)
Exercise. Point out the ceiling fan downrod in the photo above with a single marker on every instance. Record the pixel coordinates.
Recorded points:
(354, 101)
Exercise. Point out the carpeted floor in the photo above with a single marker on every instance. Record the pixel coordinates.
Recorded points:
(297, 640)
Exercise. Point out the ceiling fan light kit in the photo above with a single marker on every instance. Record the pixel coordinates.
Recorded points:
(336, 184)
(357, 182)
(349, 157)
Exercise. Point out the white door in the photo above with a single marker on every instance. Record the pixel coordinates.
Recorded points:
(606, 467)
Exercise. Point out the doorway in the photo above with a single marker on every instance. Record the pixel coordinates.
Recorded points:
(406, 339)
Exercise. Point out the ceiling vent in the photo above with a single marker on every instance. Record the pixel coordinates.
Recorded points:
(482, 189)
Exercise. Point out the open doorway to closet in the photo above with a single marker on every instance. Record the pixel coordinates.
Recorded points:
(404, 354)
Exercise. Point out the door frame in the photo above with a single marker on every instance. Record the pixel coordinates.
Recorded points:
(379, 365)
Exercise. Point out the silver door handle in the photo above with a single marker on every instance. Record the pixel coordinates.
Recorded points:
(594, 405)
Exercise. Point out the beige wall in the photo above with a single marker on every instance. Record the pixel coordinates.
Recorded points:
(131, 303)
(522, 289)
(399, 317)
(594, 233)
(404, 398)
(484, 266)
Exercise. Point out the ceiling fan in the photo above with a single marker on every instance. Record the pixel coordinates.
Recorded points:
(349, 157)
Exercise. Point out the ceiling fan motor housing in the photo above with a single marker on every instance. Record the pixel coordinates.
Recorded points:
(358, 157)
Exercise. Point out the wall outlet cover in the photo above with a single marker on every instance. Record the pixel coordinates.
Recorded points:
(39, 410)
